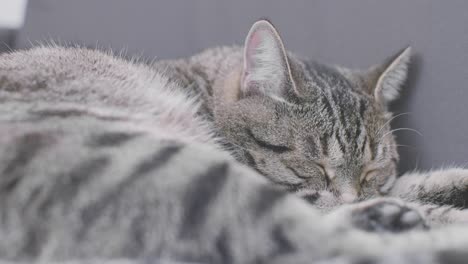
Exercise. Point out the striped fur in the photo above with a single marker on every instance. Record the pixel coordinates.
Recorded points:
(103, 159)
(156, 197)
(322, 132)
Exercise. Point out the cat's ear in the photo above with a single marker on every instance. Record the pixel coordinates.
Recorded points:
(266, 68)
(385, 80)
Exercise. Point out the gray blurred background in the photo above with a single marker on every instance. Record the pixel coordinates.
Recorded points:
(355, 33)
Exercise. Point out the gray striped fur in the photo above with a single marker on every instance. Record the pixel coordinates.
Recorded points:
(160, 197)
(101, 158)
(320, 131)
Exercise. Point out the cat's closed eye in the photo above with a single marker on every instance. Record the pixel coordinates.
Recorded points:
(324, 173)
(266, 145)
(368, 175)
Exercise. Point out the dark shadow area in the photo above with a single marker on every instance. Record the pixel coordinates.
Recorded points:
(7, 40)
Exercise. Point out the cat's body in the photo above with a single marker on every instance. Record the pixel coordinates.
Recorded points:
(101, 158)
(98, 182)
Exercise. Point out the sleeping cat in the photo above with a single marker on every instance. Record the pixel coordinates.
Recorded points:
(319, 131)
(105, 159)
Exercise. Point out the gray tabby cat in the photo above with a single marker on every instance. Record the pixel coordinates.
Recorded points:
(102, 159)
(321, 132)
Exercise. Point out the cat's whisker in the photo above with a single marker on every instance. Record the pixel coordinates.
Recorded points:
(406, 146)
(390, 120)
(400, 129)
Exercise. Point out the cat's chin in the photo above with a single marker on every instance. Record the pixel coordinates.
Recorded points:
(323, 200)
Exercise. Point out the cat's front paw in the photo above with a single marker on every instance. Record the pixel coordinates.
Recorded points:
(441, 187)
(386, 215)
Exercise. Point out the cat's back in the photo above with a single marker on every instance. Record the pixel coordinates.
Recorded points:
(76, 75)
(93, 79)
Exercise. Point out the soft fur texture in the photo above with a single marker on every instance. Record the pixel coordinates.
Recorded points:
(319, 131)
(106, 160)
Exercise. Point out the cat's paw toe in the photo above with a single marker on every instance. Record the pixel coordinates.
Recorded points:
(387, 216)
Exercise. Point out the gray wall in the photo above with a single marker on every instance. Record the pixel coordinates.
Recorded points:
(348, 32)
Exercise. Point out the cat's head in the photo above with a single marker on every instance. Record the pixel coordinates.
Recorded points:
(311, 127)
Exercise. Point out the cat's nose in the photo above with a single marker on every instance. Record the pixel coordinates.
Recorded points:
(348, 197)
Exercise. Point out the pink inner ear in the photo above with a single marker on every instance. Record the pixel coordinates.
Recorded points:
(252, 44)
